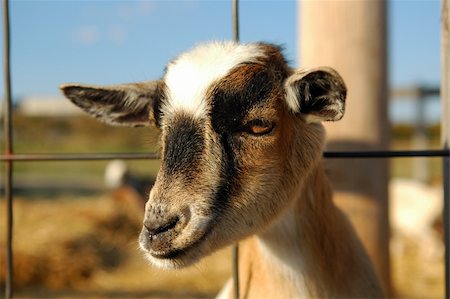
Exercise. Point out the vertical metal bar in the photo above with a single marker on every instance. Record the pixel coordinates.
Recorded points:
(235, 20)
(8, 152)
(236, 271)
(446, 174)
(445, 128)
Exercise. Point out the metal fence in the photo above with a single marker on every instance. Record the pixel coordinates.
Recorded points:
(9, 158)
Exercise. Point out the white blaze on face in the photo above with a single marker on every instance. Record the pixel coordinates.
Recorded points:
(189, 76)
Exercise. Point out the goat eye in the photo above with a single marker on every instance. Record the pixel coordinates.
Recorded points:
(259, 127)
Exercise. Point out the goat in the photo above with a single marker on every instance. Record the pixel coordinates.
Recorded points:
(241, 161)
(125, 188)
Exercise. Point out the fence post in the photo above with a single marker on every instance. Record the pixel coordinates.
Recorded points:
(351, 36)
(420, 166)
(235, 251)
(8, 152)
(445, 129)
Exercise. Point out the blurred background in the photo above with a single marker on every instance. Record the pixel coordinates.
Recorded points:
(76, 223)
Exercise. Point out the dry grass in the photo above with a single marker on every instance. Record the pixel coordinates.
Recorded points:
(414, 276)
(87, 248)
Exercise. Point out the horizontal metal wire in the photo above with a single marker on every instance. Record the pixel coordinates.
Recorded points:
(144, 156)
(388, 154)
(77, 157)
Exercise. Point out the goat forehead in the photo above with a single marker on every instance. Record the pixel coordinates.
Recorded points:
(190, 76)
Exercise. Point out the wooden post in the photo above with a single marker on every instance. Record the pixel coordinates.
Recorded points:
(420, 141)
(351, 37)
(445, 129)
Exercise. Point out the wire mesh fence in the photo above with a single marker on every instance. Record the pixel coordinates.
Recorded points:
(9, 158)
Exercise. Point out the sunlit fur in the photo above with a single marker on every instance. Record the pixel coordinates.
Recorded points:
(190, 75)
(220, 183)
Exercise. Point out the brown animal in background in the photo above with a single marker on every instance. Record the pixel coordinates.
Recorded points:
(241, 153)
(126, 188)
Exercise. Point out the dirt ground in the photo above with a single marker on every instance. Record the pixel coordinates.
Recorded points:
(87, 248)
(415, 277)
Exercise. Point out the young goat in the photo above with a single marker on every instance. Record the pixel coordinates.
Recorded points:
(241, 158)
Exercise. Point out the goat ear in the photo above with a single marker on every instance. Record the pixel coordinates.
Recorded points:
(131, 104)
(318, 94)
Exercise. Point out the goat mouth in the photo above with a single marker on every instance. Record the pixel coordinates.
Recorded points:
(179, 252)
(180, 257)
(171, 255)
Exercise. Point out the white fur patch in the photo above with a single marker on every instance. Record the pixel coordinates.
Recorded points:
(292, 92)
(282, 250)
(189, 76)
(311, 119)
(225, 293)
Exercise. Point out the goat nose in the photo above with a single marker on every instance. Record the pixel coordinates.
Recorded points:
(154, 228)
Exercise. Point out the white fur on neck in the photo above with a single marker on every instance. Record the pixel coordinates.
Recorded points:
(189, 77)
(280, 247)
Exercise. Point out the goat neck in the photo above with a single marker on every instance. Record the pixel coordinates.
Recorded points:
(292, 258)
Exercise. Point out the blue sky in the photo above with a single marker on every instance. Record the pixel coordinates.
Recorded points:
(106, 42)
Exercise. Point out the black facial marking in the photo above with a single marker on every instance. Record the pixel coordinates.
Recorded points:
(184, 146)
(232, 102)
(228, 176)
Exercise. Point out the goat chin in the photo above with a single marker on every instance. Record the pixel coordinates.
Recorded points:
(241, 148)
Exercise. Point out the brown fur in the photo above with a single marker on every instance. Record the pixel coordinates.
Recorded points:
(231, 184)
(310, 230)
(333, 260)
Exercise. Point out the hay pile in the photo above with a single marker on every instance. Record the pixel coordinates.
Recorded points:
(87, 248)
(414, 276)
(66, 254)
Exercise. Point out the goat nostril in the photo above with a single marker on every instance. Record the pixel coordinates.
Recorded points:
(157, 229)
